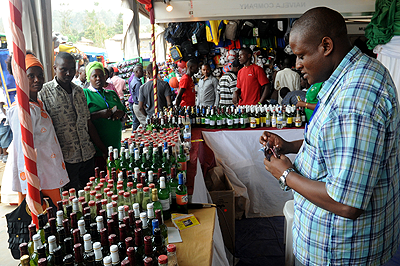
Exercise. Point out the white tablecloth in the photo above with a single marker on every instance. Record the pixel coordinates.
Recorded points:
(238, 153)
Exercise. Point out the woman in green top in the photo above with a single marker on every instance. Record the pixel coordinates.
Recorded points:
(106, 111)
(311, 99)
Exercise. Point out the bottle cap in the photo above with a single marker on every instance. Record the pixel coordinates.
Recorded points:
(150, 205)
(155, 223)
(87, 237)
(114, 248)
(107, 261)
(51, 239)
(146, 189)
(36, 237)
(96, 245)
(92, 203)
(162, 259)
(81, 223)
(136, 205)
(121, 208)
(171, 248)
(121, 193)
(139, 185)
(143, 215)
(134, 191)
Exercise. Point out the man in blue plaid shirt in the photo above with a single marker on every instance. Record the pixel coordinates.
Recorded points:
(345, 178)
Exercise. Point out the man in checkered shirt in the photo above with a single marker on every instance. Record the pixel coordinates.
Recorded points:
(345, 178)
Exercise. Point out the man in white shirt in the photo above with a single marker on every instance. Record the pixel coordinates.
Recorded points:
(287, 78)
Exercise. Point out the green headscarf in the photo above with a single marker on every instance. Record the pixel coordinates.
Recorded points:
(93, 66)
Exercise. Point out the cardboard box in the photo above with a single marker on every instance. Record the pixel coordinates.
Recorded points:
(225, 201)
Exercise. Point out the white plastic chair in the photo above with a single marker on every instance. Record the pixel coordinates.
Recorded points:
(288, 211)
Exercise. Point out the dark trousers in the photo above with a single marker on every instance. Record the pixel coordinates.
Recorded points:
(79, 174)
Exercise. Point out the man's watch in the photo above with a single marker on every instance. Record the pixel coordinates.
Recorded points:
(282, 179)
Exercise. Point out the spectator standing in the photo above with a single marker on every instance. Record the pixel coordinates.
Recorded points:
(66, 104)
(81, 80)
(227, 85)
(187, 94)
(134, 87)
(207, 92)
(287, 78)
(118, 82)
(51, 169)
(101, 103)
(253, 85)
(146, 94)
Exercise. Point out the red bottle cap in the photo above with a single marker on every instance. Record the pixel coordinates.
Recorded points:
(134, 191)
(93, 193)
(120, 187)
(126, 195)
(87, 189)
(146, 189)
(114, 197)
(121, 193)
(162, 259)
(92, 203)
(91, 179)
(140, 185)
(65, 193)
(171, 248)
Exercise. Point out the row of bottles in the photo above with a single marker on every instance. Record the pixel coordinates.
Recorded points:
(96, 244)
(254, 116)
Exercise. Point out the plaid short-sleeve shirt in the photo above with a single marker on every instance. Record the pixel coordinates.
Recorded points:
(352, 144)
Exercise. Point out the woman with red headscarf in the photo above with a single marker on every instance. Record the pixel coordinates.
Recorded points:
(50, 162)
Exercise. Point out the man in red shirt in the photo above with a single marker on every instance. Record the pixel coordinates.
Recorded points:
(187, 95)
(253, 85)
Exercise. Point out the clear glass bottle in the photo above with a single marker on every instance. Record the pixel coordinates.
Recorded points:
(172, 258)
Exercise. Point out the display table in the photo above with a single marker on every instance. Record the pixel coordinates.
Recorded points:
(196, 247)
(237, 151)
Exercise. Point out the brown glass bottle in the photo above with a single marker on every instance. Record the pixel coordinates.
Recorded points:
(130, 256)
(32, 232)
(104, 242)
(148, 248)
(23, 249)
(159, 247)
(121, 242)
(78, 255)
(139, 247)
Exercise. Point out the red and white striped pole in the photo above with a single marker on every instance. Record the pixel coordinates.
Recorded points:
(153, 50)
(21, 80)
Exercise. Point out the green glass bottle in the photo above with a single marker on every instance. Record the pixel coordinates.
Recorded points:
(156, 201)
(117, 160)
(110, 164)
(166, 166)
(37, 242)
(230, 119)
(41, 218)
(32, 232)
(181, 196)
(173, 184)
(52, 246)
(164, 199)
(243, 117)
(146, 198)
(162, 226)
(213, 118)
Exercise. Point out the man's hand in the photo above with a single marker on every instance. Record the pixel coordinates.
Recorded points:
(301, 104)
(277, 166)
(117, 115)
(105, 113)
(236, 97)
(274, 140)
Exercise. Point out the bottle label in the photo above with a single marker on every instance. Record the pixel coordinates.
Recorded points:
(263, 120)
(207, 121)
(273, 123)
(203, 120)
(268, 123)
(165, 204)
(219, 122)
(303, 118)
(212, 122)
(230, 122)
(246, 120)
(258, 120)
(224, 121)
(289, 120)
(173, 192)
(297, 123)
(241, 121)
(236, 121)
(252, 122)
(182, 166)
(181, 199)
(198, 120)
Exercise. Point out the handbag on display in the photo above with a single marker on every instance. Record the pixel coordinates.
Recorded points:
(17, 224)
(176, 53)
